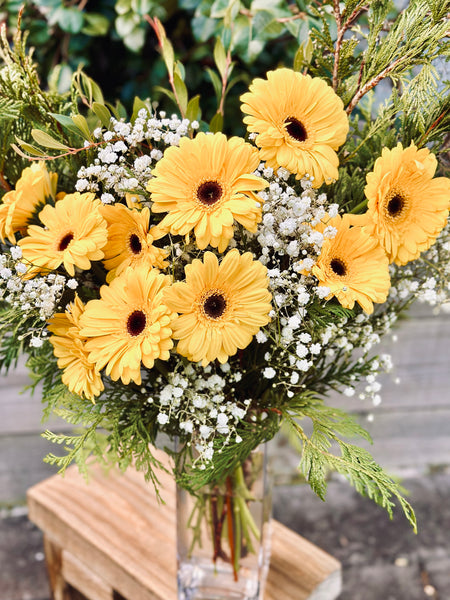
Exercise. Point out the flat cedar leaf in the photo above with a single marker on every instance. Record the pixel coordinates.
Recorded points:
(46, 140)
(216, 123)
(102, 113)
(82, 125)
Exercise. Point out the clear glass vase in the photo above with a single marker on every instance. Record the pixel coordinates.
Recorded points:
(223, 535)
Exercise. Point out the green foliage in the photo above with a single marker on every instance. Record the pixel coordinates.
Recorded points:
(330, 425)
(193, 476)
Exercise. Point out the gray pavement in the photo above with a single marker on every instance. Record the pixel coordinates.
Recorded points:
(382, 559)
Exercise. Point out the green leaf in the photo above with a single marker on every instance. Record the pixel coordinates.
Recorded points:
(46, 140)
(28, 148)
(67, 123)
(168, 55)
(193, 112)
(69, 19)
(217, 84)
(123, 6)
(138, 104)
(182, 92)
(95, 24)
(135, 40)
(82, 125)
(216, 123)
(166, 92)
(125, 24)
(102, 113)
(220, 57)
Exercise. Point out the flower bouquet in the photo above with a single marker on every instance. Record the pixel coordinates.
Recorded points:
(164, 278)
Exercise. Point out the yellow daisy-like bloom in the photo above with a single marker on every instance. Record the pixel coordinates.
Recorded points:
(354, 266)
(130, 324)
(79, 374)
(130, 240)
(221, 307)
(407, 208)
(300, 123)
(34, 188)
(75, 233)
(205, 185)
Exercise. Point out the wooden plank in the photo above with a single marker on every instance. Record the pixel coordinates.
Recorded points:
(83, 579)
(116, 527)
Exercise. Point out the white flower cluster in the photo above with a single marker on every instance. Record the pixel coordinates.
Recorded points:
(196, 403)
(36, 298)
(113, 174)
(290, 245)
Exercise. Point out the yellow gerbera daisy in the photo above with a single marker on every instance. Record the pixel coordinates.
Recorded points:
(407, 208)
(74, 234)
(205, 184)
(130, 324)
(33, 190)
(300, 123)
(79, 374)
(354, 266)
(130, 240)
(221, 306)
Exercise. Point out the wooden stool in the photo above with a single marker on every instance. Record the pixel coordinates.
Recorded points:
(111, 540)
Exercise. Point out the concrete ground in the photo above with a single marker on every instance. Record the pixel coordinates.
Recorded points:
(382, 559)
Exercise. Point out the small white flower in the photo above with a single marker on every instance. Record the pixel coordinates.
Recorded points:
(162, 418)
(269, 373)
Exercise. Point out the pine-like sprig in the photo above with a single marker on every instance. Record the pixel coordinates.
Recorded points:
(355, 463)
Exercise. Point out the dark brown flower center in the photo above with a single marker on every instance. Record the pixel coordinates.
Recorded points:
(296, 129)
(214, 306)
(338, 267)
(136, 322)
(65, 241)
(209, 192)
(395, 205)
(135, 244)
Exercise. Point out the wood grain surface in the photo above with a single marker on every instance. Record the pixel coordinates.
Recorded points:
(114, 534)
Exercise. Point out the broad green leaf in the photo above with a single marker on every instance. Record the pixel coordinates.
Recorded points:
(138, 104)
(46, 140)
(136, 39)
(95, 24)
(27, 147)
(70, 19)
(299, 59)
(167, 93)
(231, 13)
(220, 57)
(217, 84)
(179, 68)
(82, 125)
(123, 6)
(193, 112)
(182, 92)
(67, 123)
(102, 113)
(168, 55)
(126, 23)
(216, 123)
